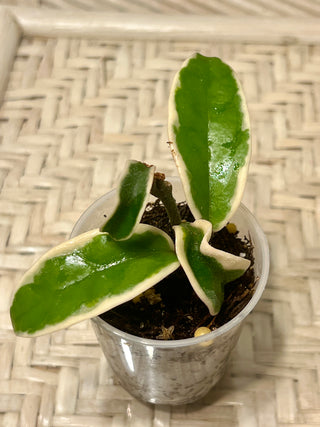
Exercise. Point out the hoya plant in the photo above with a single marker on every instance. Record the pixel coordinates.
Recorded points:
(103, 268)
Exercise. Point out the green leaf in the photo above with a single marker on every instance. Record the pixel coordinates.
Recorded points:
(89, 275)
(133, 193)
(208, 269)
(209, 134)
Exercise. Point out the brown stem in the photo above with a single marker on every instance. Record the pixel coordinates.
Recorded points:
(162, 189)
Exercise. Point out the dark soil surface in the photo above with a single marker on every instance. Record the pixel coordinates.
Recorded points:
(171, 309)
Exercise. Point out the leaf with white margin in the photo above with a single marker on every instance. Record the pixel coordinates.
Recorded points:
(132, 195)
(208, 128)
(88, 275)
(208, 269)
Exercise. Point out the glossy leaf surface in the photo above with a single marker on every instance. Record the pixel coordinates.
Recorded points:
(133, 192)
(209, 134)
(208, 269)
(88, 275)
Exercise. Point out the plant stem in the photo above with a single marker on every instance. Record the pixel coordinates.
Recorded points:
(162, 189)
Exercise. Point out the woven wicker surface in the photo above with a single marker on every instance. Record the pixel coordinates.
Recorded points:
(301, 8)
(74, 111)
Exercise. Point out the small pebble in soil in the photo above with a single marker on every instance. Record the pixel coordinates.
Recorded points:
(231, 227)
(202, 331)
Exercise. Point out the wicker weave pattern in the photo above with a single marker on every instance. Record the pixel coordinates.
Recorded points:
(74, 111)
(242, 8)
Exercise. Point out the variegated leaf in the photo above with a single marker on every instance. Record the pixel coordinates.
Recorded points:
(208, 269)
(133, 192)
(89, 275)
(209, 136)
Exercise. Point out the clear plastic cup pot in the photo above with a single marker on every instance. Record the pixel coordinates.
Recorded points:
(175, 371)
